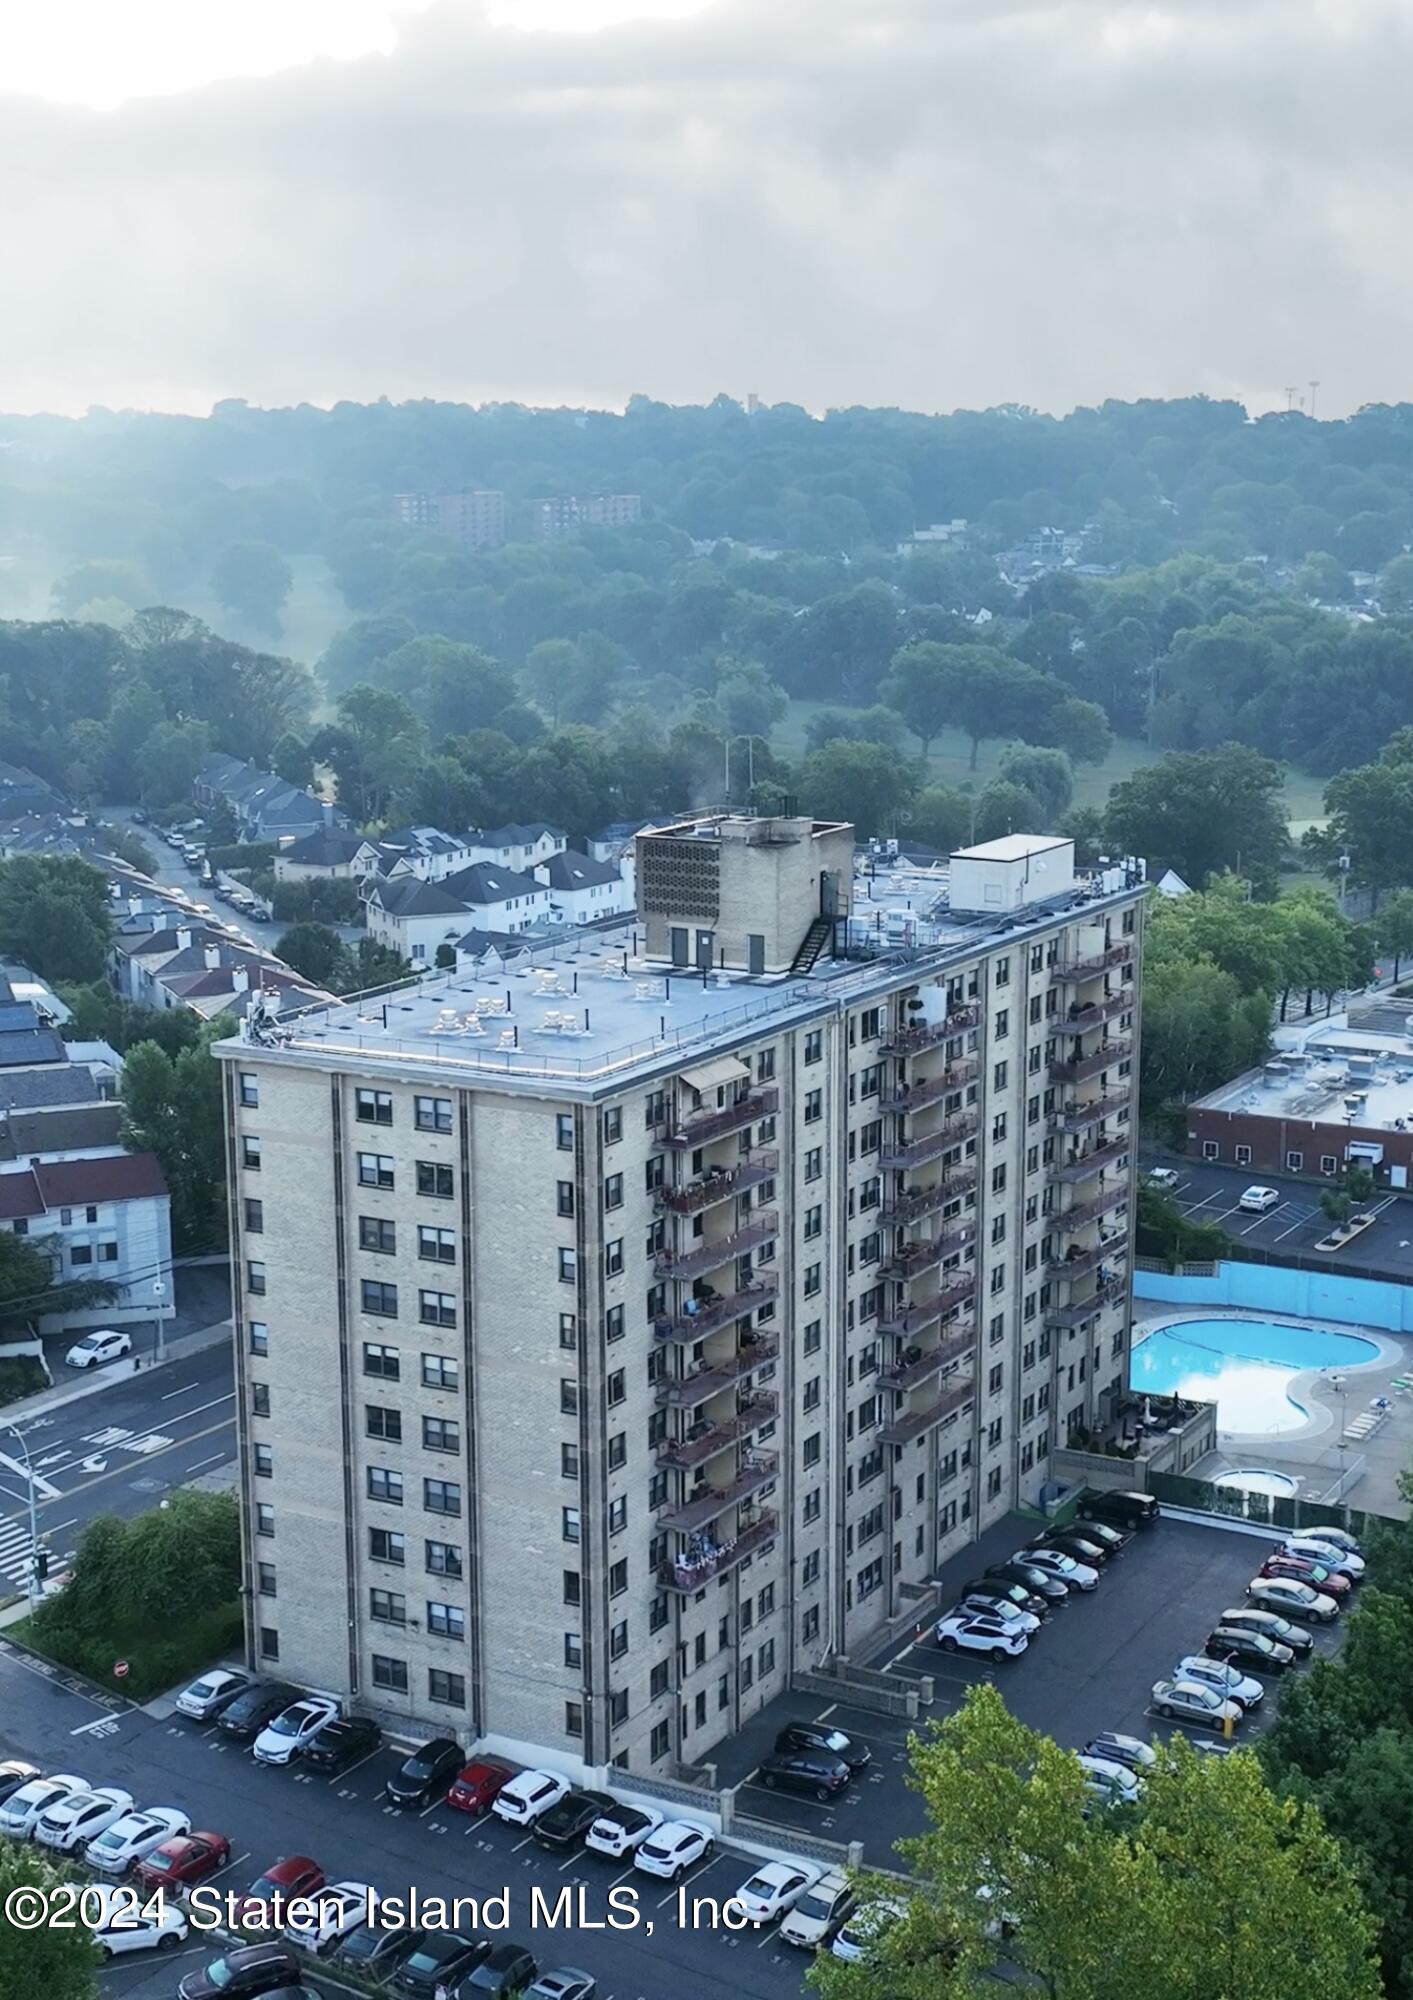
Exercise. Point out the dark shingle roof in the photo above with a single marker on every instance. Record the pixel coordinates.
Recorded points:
(50, 1084)
(58, 1129)
(330, 847)
(409, 897)
(487, 882)
(576, 871)
(118, 1177)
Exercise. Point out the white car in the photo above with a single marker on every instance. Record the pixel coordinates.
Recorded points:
(72, 1822)
(21, 1810)
(334, 1911)
(283, 1739)
(118, 1927)
(1161, 1177)
(619, 1832)
(774, 1889)
(1259, 1200)
(1292, 1599)
(672, 1848)
(1223, 1678)
(1189, 1701)
(864, 1929)
(819, 1913)
(1008, 1614)
(1336, 1538)
(213, 1692)
(1112, 1784)
(981, 1632)
(1054, 1562)
(132, 1838)
(96, 1348)
(1342, 1561)
(528, 1795)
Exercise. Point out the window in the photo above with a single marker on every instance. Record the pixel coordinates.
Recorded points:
(1243, 1156)
(442, 1558)
(995, 1379)
(448, 1621)
(250, 1153)
(1328, 1163)
(380, 1422)
(568, 1267)
(389, 1673)
(436, 1308)
(1002, 973)
(618, 1707)
(381, 1361)
(612, 1124)
(249, 1089)
(448, 1689)
(617, 1515)
(811, 1453)
(618, 1577)
(613, 1258)
(440, 1371)
(376, 1170)
(814, 1106)
(436, 1246)
(812, 1336)
(377, 1235)
(814, 1045)
(814, 1163)
(1211, 1150)
(373, 1107)
(617, 1387)
(618, 1451)
(264, 1461)
(765, 1659)
(81, 1253)
(387, 1607)
(564, 1131)
(386, 1545)
(613, 1191)
(655, 1109)
(570, 1526)
(1295, 1162)
(569, 1461)
(614, 1324)
(434, 1180)
(574, 1718)
(998, 1076)
(269, 1643)
(441, 1496)
(385, 1485)
(254, 1216)
(812, 1281)
(264, 1518)
(378, 1298)
(809, 1568)
(573, 1650)
(568, 1396)
(814, 1223)
(441, 1434)
(564, 1197)
(809, 1626)
(1002, 1024)
(661, 1741)
(572, 1586)
(255, 1279)
(618, 1640)
(432, 1114)
(813, 1501)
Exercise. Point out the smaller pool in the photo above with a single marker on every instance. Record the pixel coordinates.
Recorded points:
(1245, 1366)
(1259, 1479)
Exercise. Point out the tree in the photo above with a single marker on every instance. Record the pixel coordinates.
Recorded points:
(1198, 1030)
(169, 760)
(54, 916)
(921, 686)
(1370, 823)
(172, 1107)
(748, 701)
(943, 817)
(316, 953)
(30, 1292)
(290, 760)
(1201, 812)
(98, 1015)
(1393, 927)
(864, 783)
(252, 580)
(1046, 774)
(1396, 587)
(62, 1964)
(374, 749)
(352, 654)
(549, 671)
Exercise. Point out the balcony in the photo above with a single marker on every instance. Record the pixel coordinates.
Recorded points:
(1085, 1212)
(685, 1392)
(917, 1096)
(1079, 1117)
(913, 1258)
(705, 1440)
(1089, 1259)
(1090, 968)
(1092, 1162)
(763, 1226)
(697, 1128)
(911, 1319)
(718, 1183)
(907, 1374)
(931, 1145)
(918, 1202)
(690, 1573)
(910, 1424)
(918, 1035)
(1082, 1309)
(713, 1314)
(759, 1469)
(1080, 1067)
(1082, 1019)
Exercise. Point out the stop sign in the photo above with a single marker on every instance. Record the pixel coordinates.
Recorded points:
(120, 1667)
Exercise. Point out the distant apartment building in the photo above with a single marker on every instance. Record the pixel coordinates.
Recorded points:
(564, 514)
(474, 516)
(634, 1323)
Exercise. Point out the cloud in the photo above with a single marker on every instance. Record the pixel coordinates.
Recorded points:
(933, 203)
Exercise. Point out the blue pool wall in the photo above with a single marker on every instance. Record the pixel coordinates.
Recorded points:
(1274, 1288)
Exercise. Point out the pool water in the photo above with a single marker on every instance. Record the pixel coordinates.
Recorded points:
(1259, 1479)
(1244, 1366)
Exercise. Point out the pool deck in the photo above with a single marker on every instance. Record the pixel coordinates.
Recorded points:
(1317, 1455)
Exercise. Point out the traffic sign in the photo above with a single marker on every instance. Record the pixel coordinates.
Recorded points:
(120, 1668)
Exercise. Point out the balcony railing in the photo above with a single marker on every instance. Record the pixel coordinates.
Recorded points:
(1093, 1162)
(1085, 1212)
(1083, 1309)
(1079, 1067)
(1090, 968)
(712, 1314)
(909, 1039)
(717, 1183)
(931, 1145)
(911, 1319)
(689, 1573)
(918, 1202)
(1079, 1117)
(1089, 1259)
(1085, 1018)
(914, 1258)
(910, 1424)
(697, 1127)
(917, 1096)
(759, 1469)
(685, 1392)
(705, 1440)
(907, 1374)
(692, 1261)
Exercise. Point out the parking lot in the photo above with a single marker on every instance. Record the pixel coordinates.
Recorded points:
(1209, 1191)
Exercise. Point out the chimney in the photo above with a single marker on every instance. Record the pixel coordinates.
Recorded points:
(328, 812)
(213, 957)
(183, 938)
(240, 979)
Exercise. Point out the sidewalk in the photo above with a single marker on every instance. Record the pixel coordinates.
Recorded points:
(94, 1380)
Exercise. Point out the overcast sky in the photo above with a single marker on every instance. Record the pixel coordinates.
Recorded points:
(933, 203)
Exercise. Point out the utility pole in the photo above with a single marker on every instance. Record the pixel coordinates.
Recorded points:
(36, 1588)
(1291, 391)
(1313, 387)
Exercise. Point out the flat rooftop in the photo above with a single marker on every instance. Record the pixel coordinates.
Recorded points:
(587, 1008)
(1339, 1077)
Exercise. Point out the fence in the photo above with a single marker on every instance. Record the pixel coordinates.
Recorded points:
(1277, 1511)
(787, 1839)
(896, 1693)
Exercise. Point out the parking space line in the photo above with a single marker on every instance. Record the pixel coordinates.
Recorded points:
(339, 1776)
(683, 1881)
(430, 1809)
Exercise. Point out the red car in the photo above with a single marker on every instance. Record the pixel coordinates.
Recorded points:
(477, 1786)
(292, 1875)
(1305, 1571)
(184, 1861)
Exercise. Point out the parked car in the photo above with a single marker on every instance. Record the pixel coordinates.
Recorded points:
(477, 1785)
(564, 1982)
(864, 1928)
(376, 1950)
(1305, 1571)
(1247, 1618)
(1009, 1614)
(242, 1974)
(245, 1717)
(292, 1875)
(819, 1912)
(209, 1697)
(1259, 1200)
(133, 1837)
(438, 1962)
(1079, 1576)
(1187, 1701)
(426, 1774)
(773, 1889)
(1037, 1583)
(71, 1822)
(97, 1348)
(618, 1832)
(506, 1968)
(1109, 1783)
(998, 1590)
(1121, 1510)
(1248, 1649)
(338, 1908)
(528, 1795)
(818, 1772)
(1110, 1538)
(569, 1819)
(293, 1729)
(1161, 1177)
(1337, 1538)
(1223, 1678)
(1115, 1748)
(1343, 1562)
(13, 1774)
(980, 1632)
(1081, 1548)
(1292, 1599)
(21, 1811)
(183, 1862)
(671, 1849)
(821, 1736)
(342, 1742)
(118, 1928)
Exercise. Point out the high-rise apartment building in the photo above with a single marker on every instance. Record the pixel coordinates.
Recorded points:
(629, 1327)
(566, 513)
(473, 515)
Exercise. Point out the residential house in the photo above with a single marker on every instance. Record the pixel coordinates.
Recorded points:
(330, 854)
(424, 852)
(583, 890)
(415, 918)
(22, 792)
(266, 806)
(103, 1217)
(520, 848)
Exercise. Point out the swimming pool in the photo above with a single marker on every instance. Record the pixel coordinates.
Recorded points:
(1245, 1366)
(1260, 1479)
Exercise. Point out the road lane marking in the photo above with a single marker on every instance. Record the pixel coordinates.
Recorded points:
(185, 1390)
(42, 1487)
(216, 1458)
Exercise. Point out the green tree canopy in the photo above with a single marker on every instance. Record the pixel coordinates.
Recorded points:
(58, 1963)
(1202, 812)
(172, 1107)
(866, 783)
(252, 580)
(54, 916)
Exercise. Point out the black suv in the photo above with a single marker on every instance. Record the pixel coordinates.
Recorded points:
(342, 1742)
(243, 1974)
(509, 1968)
(426, 1774)
(253, 1707)
(817, 1771)
(1122, 1510)
(565, 1824)
(819, 1736)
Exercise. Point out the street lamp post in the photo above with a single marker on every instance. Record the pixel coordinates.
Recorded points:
(35, 1588)
(1338, 1384)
